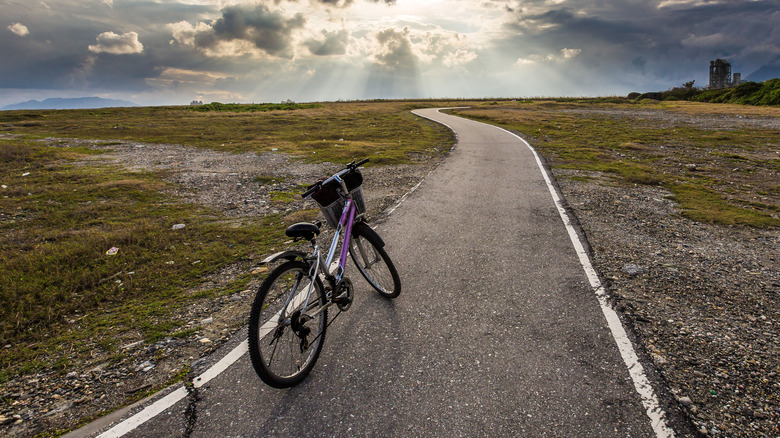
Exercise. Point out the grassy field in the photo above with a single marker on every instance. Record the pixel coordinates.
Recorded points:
(67, 298)
(385, 131)
(64, 295)
(717, 175)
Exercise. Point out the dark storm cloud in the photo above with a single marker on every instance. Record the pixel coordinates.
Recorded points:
(56, 53)
(267, 30)
(335, 43)
(676, 40)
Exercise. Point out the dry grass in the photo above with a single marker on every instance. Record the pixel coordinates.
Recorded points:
(718, 175)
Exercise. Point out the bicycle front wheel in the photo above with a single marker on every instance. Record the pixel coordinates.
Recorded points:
(284, 344)
(375, 265)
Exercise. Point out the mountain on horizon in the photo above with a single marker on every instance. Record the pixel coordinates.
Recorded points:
(69, 103)
(764, 73)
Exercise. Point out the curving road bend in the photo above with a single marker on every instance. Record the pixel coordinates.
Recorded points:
(497, 332)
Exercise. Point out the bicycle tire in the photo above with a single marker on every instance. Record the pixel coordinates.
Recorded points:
(376, 267)
(270, 343)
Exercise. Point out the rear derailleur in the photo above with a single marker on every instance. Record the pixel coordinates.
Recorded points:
(298, 326)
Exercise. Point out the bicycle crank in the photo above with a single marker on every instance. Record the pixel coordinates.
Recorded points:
(344, 294)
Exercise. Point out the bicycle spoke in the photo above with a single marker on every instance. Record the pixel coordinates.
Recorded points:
(273, 352)
(375, 266)
(272, 322)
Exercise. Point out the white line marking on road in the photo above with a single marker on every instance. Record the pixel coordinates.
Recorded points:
(147, 413)
(627, 352)
(635, 369)
(641, 383)
(171, 399)
(403, 198)
(222, 365)
(390, 210)
(174, 397)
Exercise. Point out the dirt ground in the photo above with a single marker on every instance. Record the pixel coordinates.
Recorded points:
(702, 299)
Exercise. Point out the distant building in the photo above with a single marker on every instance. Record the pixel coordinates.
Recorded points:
(720, 75)
(196, 102)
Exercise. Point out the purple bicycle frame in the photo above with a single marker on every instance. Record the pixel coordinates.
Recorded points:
(345, 223)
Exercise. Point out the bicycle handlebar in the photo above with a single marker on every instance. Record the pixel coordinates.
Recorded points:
(311, 190)
(360, 163)
(351, 167)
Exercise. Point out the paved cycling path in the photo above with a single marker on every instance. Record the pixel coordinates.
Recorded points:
(497, 332)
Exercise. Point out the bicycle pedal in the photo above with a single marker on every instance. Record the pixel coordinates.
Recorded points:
(344, 297)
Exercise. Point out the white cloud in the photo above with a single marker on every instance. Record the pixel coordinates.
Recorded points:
(684, 3)
(185, 33)
(563, 55)
(713, 40)
(18, 29)
(570, 53)
(176, 78)
(125, 44)
(459, 57)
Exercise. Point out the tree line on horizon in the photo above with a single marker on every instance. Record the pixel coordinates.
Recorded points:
(747, 93)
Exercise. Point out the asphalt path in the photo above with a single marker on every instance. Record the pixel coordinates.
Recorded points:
(497, 332)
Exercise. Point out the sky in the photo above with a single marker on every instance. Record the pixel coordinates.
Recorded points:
(170, 52)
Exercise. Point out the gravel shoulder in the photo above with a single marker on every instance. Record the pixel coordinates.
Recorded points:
(702, 298)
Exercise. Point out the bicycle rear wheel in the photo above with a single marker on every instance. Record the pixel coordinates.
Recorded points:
(375, 265)
(283, 346)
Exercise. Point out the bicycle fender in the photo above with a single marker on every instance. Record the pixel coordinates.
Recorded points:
(289, 255)
(363, 229)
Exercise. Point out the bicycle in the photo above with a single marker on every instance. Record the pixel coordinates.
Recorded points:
(289, 315)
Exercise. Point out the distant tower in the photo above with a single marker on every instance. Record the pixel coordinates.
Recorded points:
(737, 79)
(720, 74)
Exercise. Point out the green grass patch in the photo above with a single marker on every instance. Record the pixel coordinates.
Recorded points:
(749, 93)
(249, 108)
(281, 198)
(65, 291)
(580, 178)
(705, 205)
(88, 254)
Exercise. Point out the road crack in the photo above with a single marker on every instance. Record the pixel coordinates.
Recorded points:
(191, 412)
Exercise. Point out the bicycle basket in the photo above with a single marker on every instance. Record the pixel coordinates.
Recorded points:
(331, 201)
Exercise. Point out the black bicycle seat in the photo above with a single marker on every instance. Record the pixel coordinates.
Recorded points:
(303, 230)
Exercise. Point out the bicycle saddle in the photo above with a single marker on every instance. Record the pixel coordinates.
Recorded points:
(303, 230)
